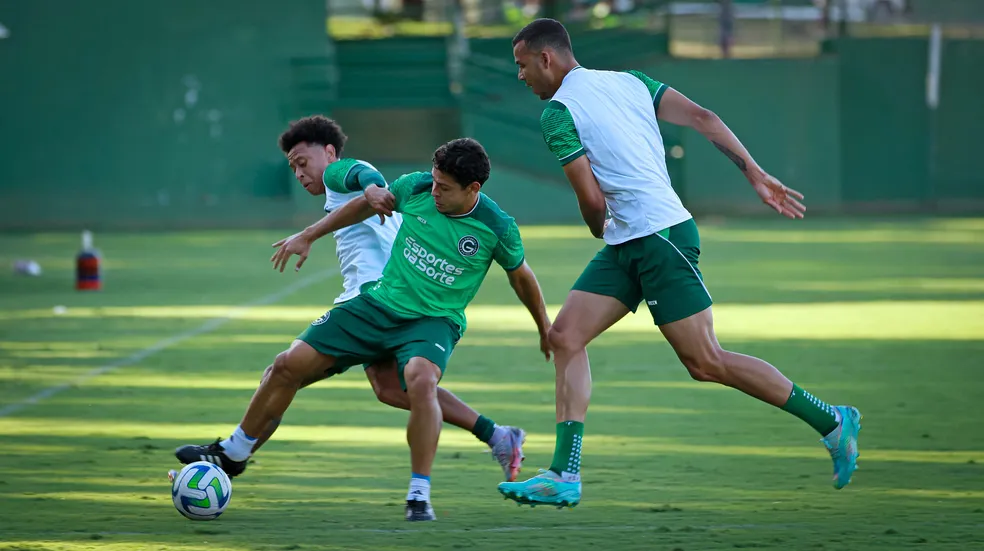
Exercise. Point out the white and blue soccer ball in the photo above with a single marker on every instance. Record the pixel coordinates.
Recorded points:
(201, 491)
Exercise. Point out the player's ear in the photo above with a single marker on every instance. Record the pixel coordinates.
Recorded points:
(331, 153)
(474, 187)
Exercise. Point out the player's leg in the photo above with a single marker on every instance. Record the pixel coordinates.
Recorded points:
(423, 432)
(506, 442)
(681, 307)
(602, 295)
(422, 348)
(275, 423)
(290, 369)
(329, 345)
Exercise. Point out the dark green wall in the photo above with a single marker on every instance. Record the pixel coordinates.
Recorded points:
(885, 121)
(784, 112)
(148, 113)
(171, 119)
(957, 180)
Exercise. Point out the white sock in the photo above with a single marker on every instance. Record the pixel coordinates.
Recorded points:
(238, 446)
(499, 434)
(420, 489)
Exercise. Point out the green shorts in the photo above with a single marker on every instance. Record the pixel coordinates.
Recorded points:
(660, 268)
(363, 331)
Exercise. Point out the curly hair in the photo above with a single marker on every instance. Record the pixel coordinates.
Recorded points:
(316, 129)
(465, 160)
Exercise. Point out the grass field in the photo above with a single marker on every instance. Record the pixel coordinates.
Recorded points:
(886, 315)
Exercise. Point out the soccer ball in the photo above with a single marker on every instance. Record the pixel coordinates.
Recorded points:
(201, 491)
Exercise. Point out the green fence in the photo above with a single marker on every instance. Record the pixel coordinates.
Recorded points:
(172, 119)
(148, 114)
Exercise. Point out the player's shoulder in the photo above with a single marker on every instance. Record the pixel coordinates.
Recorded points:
(342, 167)
(416, 182)
(554, 111)
(492, 216)
(361, 162)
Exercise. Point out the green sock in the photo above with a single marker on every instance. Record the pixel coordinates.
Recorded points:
(484, 429)
(567, 452)
(811, 409)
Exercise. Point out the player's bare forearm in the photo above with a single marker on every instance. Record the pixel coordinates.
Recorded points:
(590, 199)
(676, 108)
(349, 214)
(595, 220)
(527, 288)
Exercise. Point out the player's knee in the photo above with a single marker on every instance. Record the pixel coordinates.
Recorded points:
(386, 394)
(393, 397)
(561, 338)
(285, 369)
(422, 378)
(266, 373)
(707, 365)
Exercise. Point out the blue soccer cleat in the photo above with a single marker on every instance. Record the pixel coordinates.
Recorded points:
(842, 443)
(546, 488)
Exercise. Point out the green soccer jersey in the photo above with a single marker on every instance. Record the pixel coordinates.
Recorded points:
(439, 261)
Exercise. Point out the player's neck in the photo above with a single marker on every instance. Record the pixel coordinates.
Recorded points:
(465, 212)
(565, 66)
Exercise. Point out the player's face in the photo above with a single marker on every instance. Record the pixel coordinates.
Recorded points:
(533, 70)
(308, 162)
(450, 197)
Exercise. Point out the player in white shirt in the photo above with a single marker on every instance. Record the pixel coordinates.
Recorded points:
(602, 127)
(313, 146)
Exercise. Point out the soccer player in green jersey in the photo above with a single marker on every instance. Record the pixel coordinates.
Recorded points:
(313, 147)
(602, 127)
(450, 235)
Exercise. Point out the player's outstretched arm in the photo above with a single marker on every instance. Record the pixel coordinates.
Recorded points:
(676, 108)
(349, 214)
(527, 288)
(590, 199)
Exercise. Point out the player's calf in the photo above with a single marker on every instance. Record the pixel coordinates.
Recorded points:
(423, 432)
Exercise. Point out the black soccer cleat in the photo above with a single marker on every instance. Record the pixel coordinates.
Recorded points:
(214, 454)
(419, 511)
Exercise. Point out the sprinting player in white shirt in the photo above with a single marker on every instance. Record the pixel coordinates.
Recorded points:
(602, 127)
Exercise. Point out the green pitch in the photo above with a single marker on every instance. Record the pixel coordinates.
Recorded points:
(885, 315)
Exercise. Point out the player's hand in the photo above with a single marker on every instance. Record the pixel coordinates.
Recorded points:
(545, 344)
(381, 200)
(782, 199)
(295, 244)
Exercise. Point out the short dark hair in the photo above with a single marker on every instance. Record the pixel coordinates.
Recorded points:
(316, 129)
(543, 33)
(465, 160)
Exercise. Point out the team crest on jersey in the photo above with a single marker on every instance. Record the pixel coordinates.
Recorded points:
(468, 246)
(322, 319)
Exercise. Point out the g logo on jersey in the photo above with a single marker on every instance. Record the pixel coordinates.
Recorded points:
(322, 319)
(468, 246)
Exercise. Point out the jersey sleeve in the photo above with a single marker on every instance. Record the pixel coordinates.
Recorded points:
(408, 185)
(509, 252)
(350, 175)
(656, 88)
(559, 133)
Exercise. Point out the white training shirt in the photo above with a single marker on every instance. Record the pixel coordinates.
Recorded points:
(364, 248)
(611, 117)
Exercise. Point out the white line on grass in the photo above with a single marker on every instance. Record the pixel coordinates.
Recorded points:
(140, 355)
